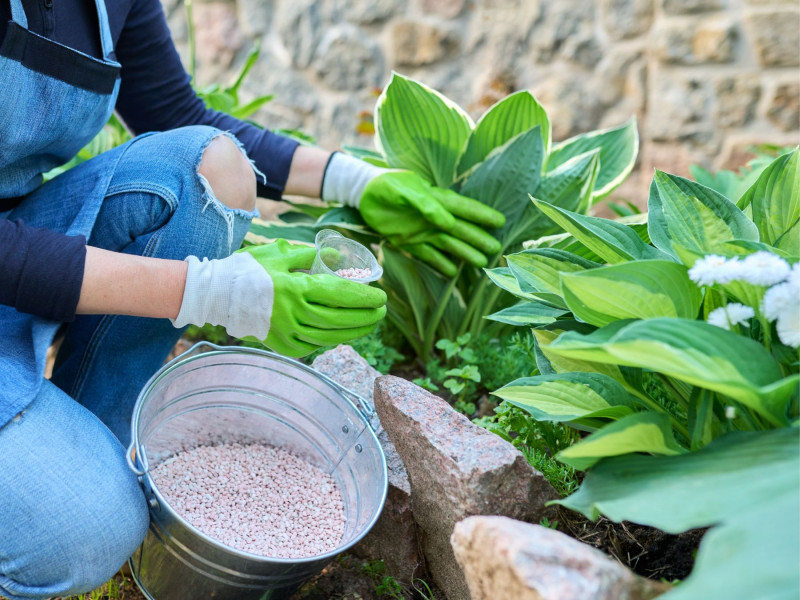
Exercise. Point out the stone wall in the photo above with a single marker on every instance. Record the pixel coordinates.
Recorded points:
(705, 78)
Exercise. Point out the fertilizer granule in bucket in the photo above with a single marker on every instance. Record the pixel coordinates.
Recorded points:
(255, 498)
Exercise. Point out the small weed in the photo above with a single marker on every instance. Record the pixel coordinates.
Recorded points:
(426, 594)
(386, 586)
(545, 522)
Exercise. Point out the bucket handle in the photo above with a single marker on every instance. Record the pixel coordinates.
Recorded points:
(129, 458)
(364, 406)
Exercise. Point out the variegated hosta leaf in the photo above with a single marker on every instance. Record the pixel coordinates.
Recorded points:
(514, 114)
(774, 200)
(649, 432)
(642, 289)
(418, 128)
(684, 213)
(612, 241)
(743, 485)
(693, 352)
(618, 149)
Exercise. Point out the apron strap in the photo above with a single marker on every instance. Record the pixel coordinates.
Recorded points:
(105, 29)
(18, 14)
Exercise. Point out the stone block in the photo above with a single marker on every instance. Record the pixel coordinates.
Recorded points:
(624, 19)
(737, 98)
(443, 8)
(346, 59)
(218, 38)
(370, 12)
(694, 44)
(776, 36)
(685, 7)
(503, 558)
(416, 44)
(301, 26)
(255, 16)
(784, 108)
(394, 537)
(679, 109)
(456, 469)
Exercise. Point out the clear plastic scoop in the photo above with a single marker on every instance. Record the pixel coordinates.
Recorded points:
(343, 257)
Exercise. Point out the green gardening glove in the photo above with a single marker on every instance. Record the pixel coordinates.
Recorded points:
(436, 225)
(310, 311)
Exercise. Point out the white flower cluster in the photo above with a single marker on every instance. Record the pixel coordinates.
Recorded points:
(781, 302)
(760, 268)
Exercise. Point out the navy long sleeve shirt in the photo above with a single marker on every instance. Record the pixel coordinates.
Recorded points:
(41, 272)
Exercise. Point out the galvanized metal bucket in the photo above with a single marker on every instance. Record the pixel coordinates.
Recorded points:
(214, 394)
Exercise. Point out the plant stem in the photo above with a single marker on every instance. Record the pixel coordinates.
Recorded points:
(191, 42)
(475, 301)
(436, 318)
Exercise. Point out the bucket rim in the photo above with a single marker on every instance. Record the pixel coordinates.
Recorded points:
(215, 350)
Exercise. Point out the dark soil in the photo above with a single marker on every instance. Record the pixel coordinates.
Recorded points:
(350, 578)
(647, 551)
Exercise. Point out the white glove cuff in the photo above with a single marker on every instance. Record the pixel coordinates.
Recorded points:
(345, 179)
(235, 292)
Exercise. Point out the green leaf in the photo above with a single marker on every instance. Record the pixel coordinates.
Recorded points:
(509, 173)
(612, 241)
(571, 184)
(527, 313)
(503, 278)
(568, 397)
(639, 432)
(694, 352)
(744, 485)
(539, 271)
(515, 114)
(274, 230)
(618, 149)
(242, 112)
(775, 201)
(641, 289)
(687, 214)
(417, 128)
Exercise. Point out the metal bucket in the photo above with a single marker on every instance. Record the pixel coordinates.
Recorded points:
(213, 394)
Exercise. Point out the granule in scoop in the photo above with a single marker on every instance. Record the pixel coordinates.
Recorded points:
(255, 498)
(354, 273)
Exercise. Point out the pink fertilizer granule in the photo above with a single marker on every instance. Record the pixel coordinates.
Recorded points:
(255, 498)
(354, 273)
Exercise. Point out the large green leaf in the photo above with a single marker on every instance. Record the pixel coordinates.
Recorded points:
(514, 114)
(618, 149)
(613, 242)
(639, 432)
(540, 269)
(774, 200)
(417, 128)
(292, 232)
(745, 485)
(503, 278)
(509, 173)
(641, 289)
(569, 186)
(568, 397)
(694, 352)
(684, 213)
(527, 313)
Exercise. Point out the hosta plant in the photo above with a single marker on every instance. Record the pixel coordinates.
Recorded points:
(672, 344)
(500, 160)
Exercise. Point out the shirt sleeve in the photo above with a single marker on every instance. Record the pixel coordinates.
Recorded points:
(156, 95)
(41, 271)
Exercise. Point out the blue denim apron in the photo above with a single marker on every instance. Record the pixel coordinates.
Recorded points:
(55, 100)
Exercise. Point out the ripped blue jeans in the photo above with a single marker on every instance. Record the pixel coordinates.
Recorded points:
(71, 512)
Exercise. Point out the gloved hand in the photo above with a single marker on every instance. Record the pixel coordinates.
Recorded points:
(256, 293)
(434, 224)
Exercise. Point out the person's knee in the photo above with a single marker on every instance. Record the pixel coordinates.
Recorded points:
(77, 539)
(229, 173)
